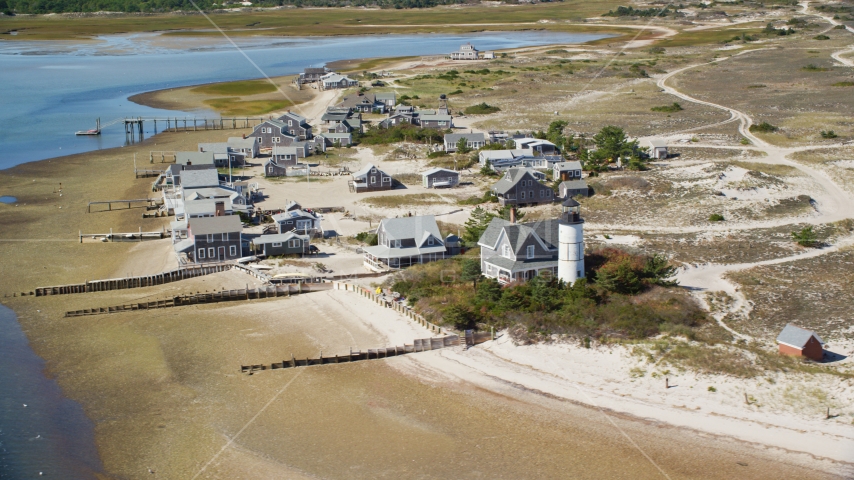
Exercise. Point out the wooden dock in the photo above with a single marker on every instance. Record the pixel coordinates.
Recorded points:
(109, 203)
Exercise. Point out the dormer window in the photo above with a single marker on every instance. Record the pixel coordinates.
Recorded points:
(530, 251)
(430, 241)
(505, 252)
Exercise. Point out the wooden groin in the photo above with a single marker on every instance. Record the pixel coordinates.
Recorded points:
(268, 291)
(133, 282)
(419, 345)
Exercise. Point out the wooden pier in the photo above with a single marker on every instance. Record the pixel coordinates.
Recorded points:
(109, 203)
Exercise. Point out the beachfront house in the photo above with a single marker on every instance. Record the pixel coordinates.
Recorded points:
(800, 342)
(212, 239)
(203, 178)
(311, 75)
(223, 154)
(367, 102)
(297, 220)
(172, 175)
(326, 140)
(520, 186)
(405, 241)
(290, 243)
(207, 207)
(341, 120)
(370, 179)
(440, 178)
(511, 252)
(439, 121)
(332, 81)
(466, 52)
(536, 146)
(474, 141)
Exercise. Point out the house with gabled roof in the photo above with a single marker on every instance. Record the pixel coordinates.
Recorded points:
(370, 179)
(573, 188)
(466, 52)
(272, 132)
(341, 120)
(212, 239)
(474, 141)
(536, 145)
(290, 243)
(295, 219)
(248, 146)
(406, 241)
(800, 342)
(332, 81)
(440, 178)
(520, 186)
(365, 102)
(207, 177)
(511, 252)
(295, 125)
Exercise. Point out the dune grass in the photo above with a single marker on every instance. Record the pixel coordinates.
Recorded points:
(244, 87)
(234, 107)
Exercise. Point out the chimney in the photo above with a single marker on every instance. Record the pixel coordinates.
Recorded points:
(220, 209)
(244, 136)
(513, 214)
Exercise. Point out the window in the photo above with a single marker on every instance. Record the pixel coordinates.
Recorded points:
(430, 241)
(232, 251)
(397, 244)
(531, 194)
(211, 252)
(277, 244)
(523, 194)
(292, 131)
(373, 179)
(225, 236)
(210, 238)
(506, 251)
(289, 222)
(290, 123)
(201, 253)
(530, 251)
(276, 139)
(294, 243)
(271, 169)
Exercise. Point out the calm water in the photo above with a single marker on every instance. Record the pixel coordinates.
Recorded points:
(51, 434)
(53, 89)
(8, 199)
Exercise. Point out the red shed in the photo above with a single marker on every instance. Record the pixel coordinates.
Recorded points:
(800, 343)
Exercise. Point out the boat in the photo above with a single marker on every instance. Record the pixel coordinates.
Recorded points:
(94, 131)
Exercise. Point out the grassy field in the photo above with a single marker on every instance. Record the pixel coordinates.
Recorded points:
(233, 106)
(317, 21)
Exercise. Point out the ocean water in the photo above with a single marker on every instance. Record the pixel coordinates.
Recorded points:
(40, 430)
(53, 89)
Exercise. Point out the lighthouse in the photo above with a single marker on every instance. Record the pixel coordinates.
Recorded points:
(570, 264)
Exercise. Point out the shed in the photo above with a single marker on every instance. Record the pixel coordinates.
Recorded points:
(800, 342)
(572, 188)
(440, 177)
(289, 243)
(657, 148)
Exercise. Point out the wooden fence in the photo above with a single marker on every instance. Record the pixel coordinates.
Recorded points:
(182, 273)
(267, 291)
(418, 345)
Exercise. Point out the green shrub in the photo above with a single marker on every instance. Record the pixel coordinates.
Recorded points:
(805, 237)
(716, 217)
(843, 84)
(455, 92)
(712, 389)
(828, 134)
(763, 127)
(821, 37)
(367, 237)
(481, 109)
(814, 68)
(674, 107)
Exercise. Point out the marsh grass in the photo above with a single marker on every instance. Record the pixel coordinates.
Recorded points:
(415, 200)
(239, 88)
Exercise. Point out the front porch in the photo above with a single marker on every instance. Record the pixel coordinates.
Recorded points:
(387, 264)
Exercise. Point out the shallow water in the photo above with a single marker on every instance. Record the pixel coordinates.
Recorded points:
(8, 199)
(40, 430)
(53, 89)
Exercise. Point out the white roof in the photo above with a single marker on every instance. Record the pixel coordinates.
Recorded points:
(657, 143)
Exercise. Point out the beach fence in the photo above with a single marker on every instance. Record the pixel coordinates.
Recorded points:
(267, 291)
(178, 274)
(418, 345)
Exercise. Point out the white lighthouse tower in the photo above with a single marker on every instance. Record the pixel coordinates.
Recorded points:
(570, 264)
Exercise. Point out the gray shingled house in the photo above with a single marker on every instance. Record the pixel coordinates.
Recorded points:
(297, 220)
(370, 179)
(296, 126)
(289, 243)
(474, 141)
(440, 177)
(573, 188)
(512, 252)
(519, 186)
(212, 239)
(406, 241)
